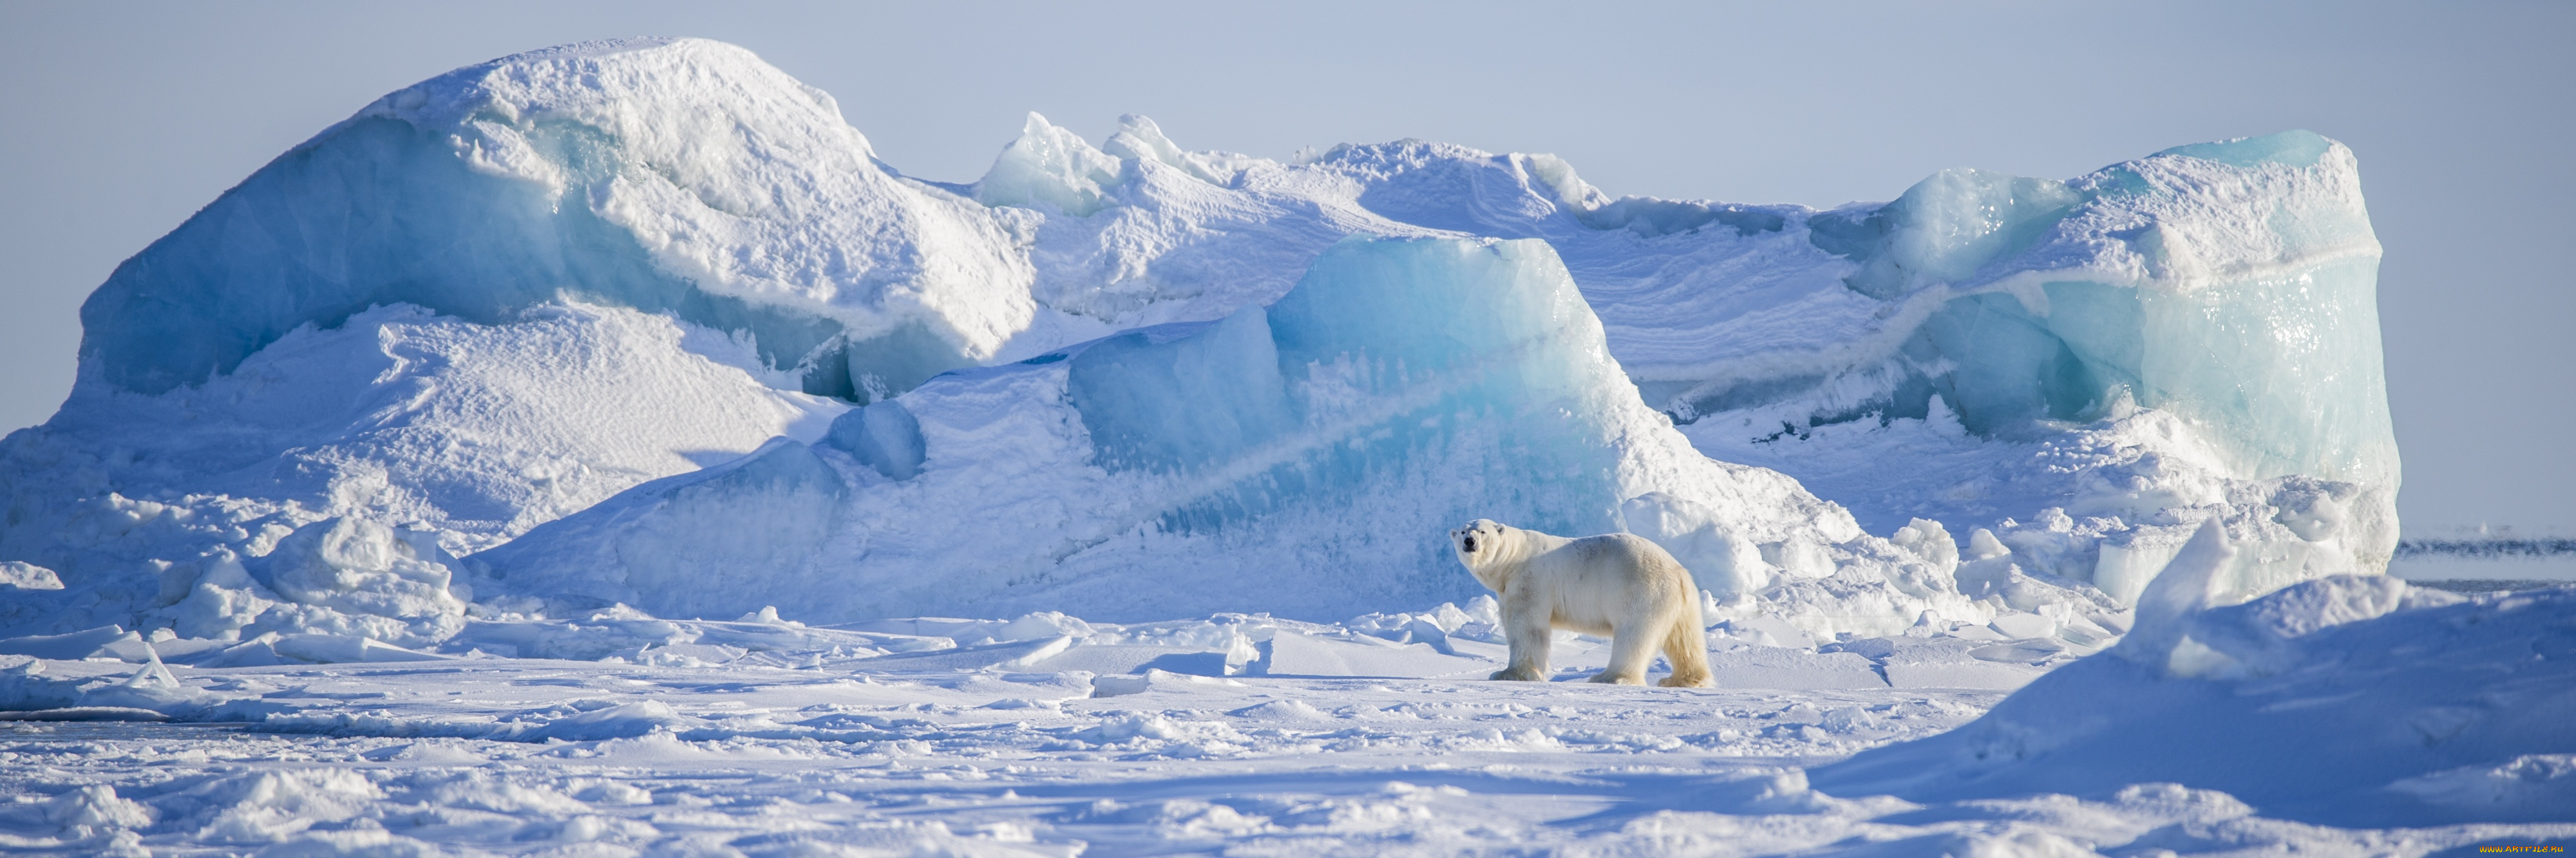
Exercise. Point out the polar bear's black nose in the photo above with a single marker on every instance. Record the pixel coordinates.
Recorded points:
(1471, 543)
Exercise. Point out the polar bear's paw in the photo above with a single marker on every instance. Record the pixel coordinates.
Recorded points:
(1608, 678)
(1517, 674)
(1680, 681)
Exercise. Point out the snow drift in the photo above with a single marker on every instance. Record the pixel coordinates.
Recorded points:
(2348, 700)
(506, 294)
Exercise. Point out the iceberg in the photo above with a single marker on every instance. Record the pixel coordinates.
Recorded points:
(658, 280)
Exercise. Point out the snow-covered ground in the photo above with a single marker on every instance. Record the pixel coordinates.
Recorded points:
(1246, 735)
(770, 761)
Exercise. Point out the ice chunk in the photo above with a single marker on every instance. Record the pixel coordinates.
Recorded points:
(28, 576)
(354, 577)
(2024, 625)
(1941, 230)
(2125, 568)
(1054, 167)
(883, 435)
(1929, 540)
(681, 176)
(1139, 139)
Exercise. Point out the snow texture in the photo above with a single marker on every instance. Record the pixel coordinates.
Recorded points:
(2351, 701)
(2312, 721)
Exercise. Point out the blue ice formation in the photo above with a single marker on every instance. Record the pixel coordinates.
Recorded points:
(368, 327)
(675, 176)
(2276, 350)
(2231, 282)
(599, 171)
(1299, 459)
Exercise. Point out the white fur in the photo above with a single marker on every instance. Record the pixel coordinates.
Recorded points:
(1615, 584)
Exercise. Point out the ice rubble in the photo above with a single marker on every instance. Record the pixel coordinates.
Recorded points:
(434, 435)
(731, 265)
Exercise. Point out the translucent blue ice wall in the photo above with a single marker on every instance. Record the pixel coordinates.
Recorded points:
(2289, 368)
(2228, 282)
(481, 192)
(378, 211)
(1467, 373)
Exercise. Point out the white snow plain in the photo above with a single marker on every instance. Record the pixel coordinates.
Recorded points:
(392, 479)
(2349, 715)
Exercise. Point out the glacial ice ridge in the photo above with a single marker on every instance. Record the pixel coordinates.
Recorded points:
(1285, 459)
(506, 295)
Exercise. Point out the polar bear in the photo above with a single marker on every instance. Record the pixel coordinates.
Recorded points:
(1618, 584)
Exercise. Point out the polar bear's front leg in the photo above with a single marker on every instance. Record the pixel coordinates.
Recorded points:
(1528, 631)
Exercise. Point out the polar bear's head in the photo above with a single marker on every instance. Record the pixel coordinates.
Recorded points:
(1478, 542)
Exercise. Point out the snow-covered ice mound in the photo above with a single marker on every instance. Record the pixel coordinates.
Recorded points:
(508, 293)
(427, 432)
(1287, 459)
(2351, 701)
(676, 176)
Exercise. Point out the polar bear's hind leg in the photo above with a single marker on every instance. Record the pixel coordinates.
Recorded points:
(1686, 647)
(1632, 649)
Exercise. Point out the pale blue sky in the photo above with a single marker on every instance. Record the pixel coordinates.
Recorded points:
(118, 120)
